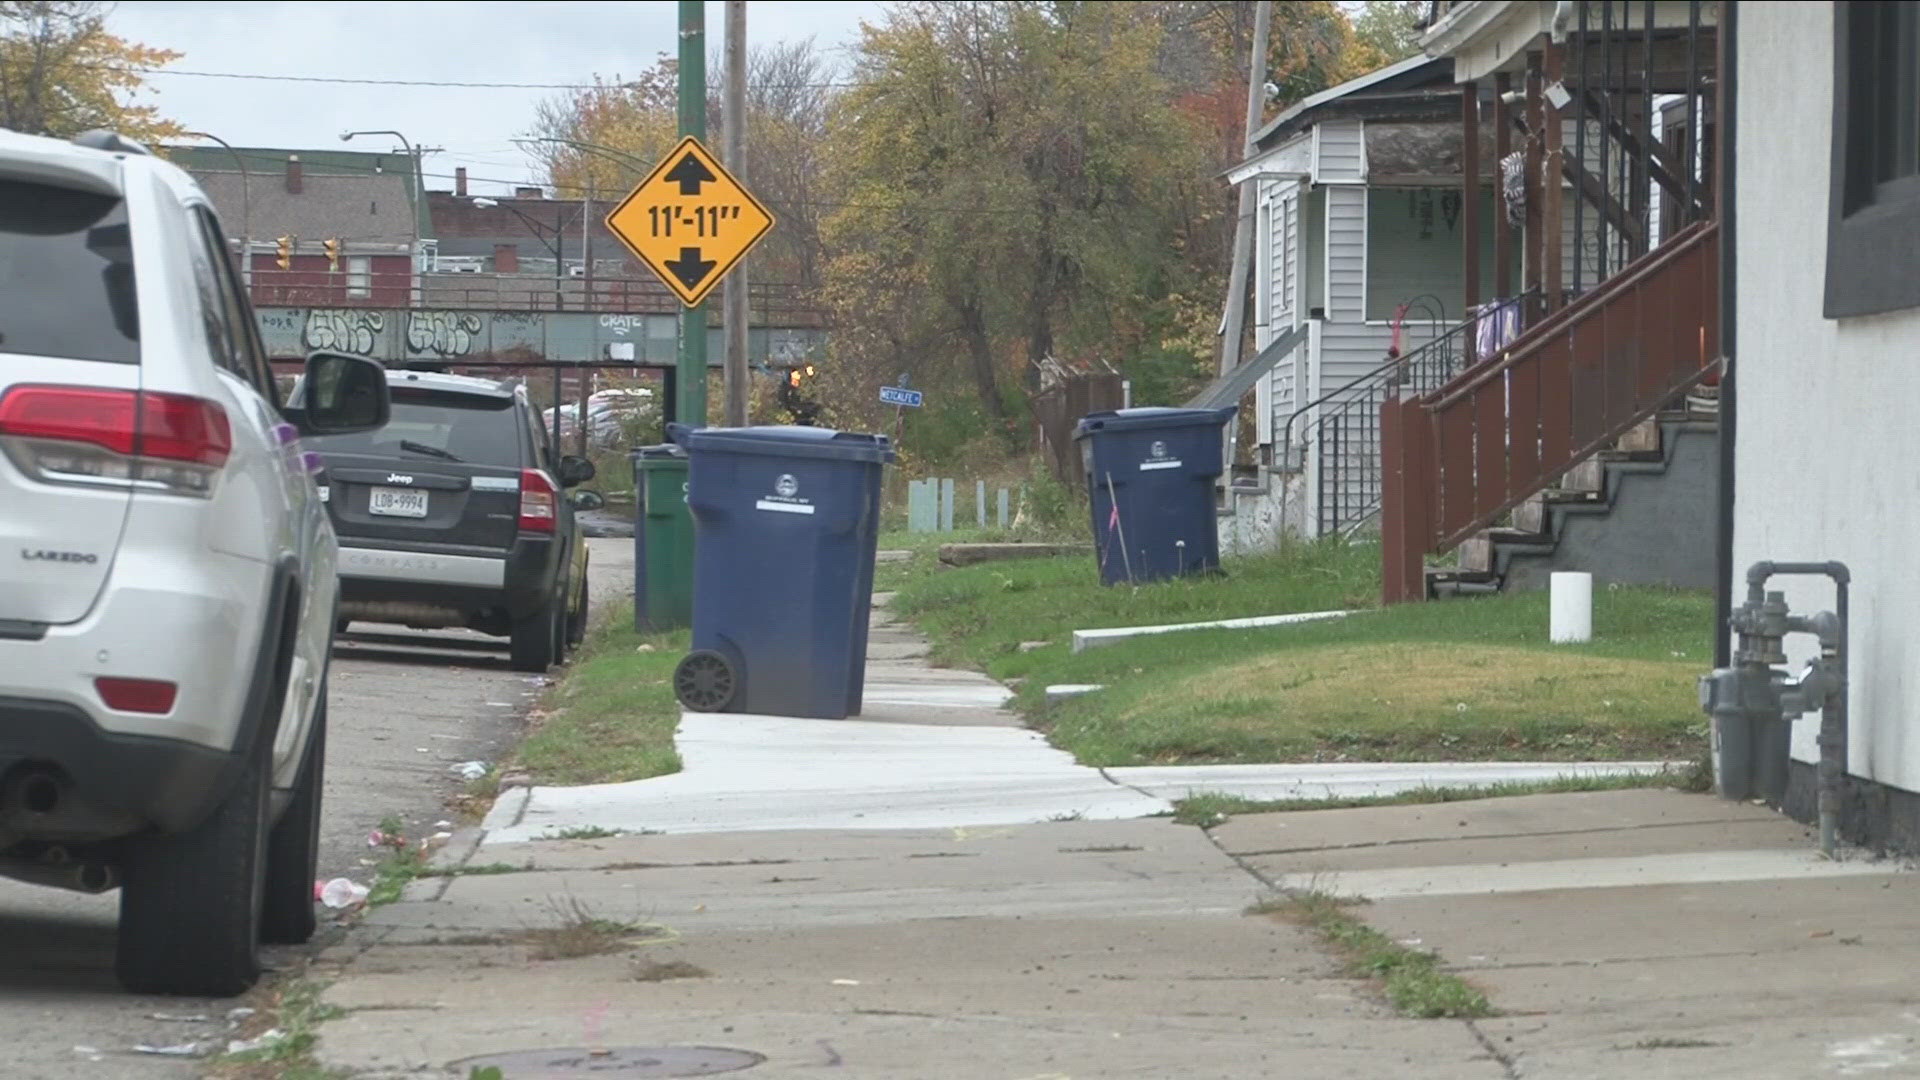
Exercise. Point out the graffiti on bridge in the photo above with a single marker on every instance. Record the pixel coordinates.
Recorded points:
(347, 331)
(442, 333)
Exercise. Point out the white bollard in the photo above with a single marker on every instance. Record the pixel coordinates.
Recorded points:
(1571, 603)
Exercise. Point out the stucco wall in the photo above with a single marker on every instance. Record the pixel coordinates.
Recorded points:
(1827, 438)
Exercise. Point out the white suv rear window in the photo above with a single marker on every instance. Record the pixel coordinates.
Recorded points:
(66, 275)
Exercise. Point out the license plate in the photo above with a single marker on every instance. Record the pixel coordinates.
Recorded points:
(397, 502)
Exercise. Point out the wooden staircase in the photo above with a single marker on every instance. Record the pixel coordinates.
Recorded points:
(1573, 524)
(1491, 441)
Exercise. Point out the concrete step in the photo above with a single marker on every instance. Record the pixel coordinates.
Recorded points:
(1531, 516)
(1643, 437)
(1503, 537)
(1451, 582)
(1475, 554)
(1589, 475)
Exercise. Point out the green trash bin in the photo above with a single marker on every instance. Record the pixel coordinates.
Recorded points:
(662, 540)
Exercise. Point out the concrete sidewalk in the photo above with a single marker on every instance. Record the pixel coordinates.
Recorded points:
(927, 891)
(1066, 949)
(1631, 933)
(933, 747)
(940, 894)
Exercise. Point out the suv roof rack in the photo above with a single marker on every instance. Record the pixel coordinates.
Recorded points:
(110, 141)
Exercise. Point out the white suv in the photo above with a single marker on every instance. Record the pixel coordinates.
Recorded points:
(167, 579)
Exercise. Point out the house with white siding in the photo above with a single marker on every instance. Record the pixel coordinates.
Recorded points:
(1822, 324)
(1358, 257)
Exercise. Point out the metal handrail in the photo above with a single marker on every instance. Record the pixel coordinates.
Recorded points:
(1393, 364)
(1630, 276)
(1346, 436)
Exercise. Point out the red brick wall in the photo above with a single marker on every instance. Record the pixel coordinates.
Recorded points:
(311, 282)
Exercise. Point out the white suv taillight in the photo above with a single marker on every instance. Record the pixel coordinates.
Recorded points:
(115, 438)
(538, 501)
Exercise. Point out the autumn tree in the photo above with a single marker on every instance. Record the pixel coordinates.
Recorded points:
(1008, 171)
(62, 73)
(1391, 27)
(611, 131)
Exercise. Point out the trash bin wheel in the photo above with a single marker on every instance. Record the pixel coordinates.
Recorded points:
(704, 681)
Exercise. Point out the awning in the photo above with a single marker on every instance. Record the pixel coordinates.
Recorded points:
(1228, 389)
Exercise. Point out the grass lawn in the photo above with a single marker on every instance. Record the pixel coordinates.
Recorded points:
(980, 615)
(1460, 679)
(924, 551)
(923, 554)
(613, 713)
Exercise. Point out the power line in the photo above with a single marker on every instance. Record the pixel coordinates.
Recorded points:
(444, 84)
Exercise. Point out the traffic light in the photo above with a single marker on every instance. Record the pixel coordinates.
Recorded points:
(794, 375)
(332, 248)
(284, 252)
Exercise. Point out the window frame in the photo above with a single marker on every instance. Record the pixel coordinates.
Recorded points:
(359, 276)
(1873, 225)
(237, 311)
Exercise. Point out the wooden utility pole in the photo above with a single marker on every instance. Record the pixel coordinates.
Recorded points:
(734, 298)
(1234, 325)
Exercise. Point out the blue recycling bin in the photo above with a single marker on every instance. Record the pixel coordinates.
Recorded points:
(1150, 477)
(785, 523)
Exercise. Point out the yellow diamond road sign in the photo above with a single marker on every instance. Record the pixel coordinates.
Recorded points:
(690, 221)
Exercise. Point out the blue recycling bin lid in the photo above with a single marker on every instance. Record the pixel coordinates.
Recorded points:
(786, 441)
(1150, 417)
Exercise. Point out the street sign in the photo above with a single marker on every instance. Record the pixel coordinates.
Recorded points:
(894, 395)
(690, 221)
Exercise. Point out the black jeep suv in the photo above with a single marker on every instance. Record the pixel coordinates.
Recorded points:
(456, 515)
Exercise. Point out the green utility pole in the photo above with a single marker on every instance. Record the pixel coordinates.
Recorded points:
(691, 406)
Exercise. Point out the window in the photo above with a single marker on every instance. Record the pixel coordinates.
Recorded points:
(1873, 225)
(222, 347)
(475, 428)
(1415, 238)
(230, 328)
(359, 277)
(66, 275)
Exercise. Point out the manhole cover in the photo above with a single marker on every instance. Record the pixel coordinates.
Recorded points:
(619, 1061)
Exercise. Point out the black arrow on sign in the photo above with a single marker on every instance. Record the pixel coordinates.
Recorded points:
(689, 173)
(690, 268)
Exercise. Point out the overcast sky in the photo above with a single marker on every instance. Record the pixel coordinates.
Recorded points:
(507, 41)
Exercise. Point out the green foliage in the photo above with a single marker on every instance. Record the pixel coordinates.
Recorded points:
(1313, 45)
(1009, 171)
(1054, 508)
(1392, 27)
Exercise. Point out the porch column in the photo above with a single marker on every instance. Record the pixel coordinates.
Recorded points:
(1533, 233)
(1470, 195)
(1550, 182)
(1502, 227)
